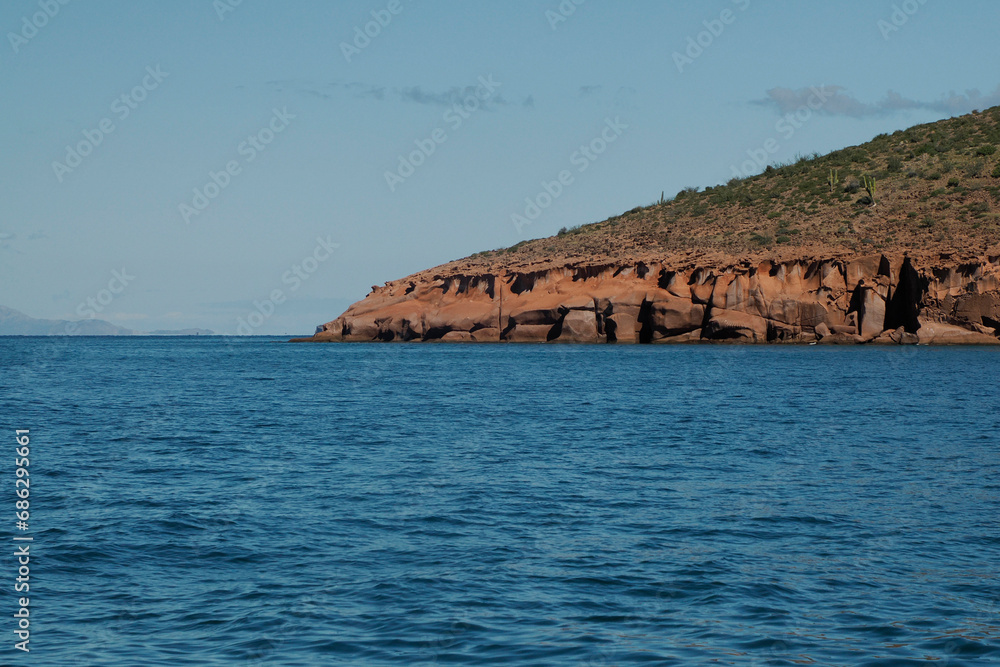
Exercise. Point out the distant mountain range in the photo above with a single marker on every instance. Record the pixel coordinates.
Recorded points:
(15, 323)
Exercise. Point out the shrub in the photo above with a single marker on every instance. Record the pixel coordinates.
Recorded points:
(562, 231)
(953, 182)
(933, 176)
(859, 155)
(986, 149)
(783, 239)
(911, 214)
(927, 222)
(974, 169)
(895, 164)
(996, 172)
(978, 208)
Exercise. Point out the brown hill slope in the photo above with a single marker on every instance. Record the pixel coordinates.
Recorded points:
(896, 240)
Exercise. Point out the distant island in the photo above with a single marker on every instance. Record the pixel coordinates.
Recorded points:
(895, 241)
(15, 323)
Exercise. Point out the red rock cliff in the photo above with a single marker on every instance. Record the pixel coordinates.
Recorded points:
(783, 256)
(938, 299)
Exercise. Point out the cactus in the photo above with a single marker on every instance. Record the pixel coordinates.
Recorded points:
(834, 179)
(662, 199)
(870, 187)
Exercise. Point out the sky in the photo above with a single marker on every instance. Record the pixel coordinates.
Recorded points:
(255, 166)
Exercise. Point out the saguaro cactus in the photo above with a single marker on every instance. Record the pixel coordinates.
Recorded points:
(834, 179)
(870, 187)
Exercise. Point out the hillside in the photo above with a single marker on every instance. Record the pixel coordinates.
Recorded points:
(937, 189)
(15, 323)
(925, 197)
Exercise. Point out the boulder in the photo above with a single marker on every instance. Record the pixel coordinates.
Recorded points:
(841, 339)
(621, 323)
(579, 326)
(361, 328)
(486, 335)
(674, 317)
(939, 333)
(848, 329)
(732, 324)
(529, 333)
(871, 311)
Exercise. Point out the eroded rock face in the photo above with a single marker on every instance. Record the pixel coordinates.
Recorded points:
(876, 298)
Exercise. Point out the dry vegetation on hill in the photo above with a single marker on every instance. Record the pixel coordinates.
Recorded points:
(937, 189)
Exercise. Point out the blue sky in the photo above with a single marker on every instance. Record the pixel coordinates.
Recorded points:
(288, 135)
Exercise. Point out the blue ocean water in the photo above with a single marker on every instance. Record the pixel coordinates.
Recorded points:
(205, 501)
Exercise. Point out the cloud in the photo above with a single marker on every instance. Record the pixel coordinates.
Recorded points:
(833, 101)
(589, 90)
(412, 94)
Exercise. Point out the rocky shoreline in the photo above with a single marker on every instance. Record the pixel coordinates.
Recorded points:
(937, 299)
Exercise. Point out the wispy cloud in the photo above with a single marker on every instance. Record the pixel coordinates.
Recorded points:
(411, 94)
(839, 103)
(7, 242)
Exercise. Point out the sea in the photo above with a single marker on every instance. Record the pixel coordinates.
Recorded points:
(248, 501)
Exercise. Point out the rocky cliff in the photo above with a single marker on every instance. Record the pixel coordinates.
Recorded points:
(877, 298)
(893, 241)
